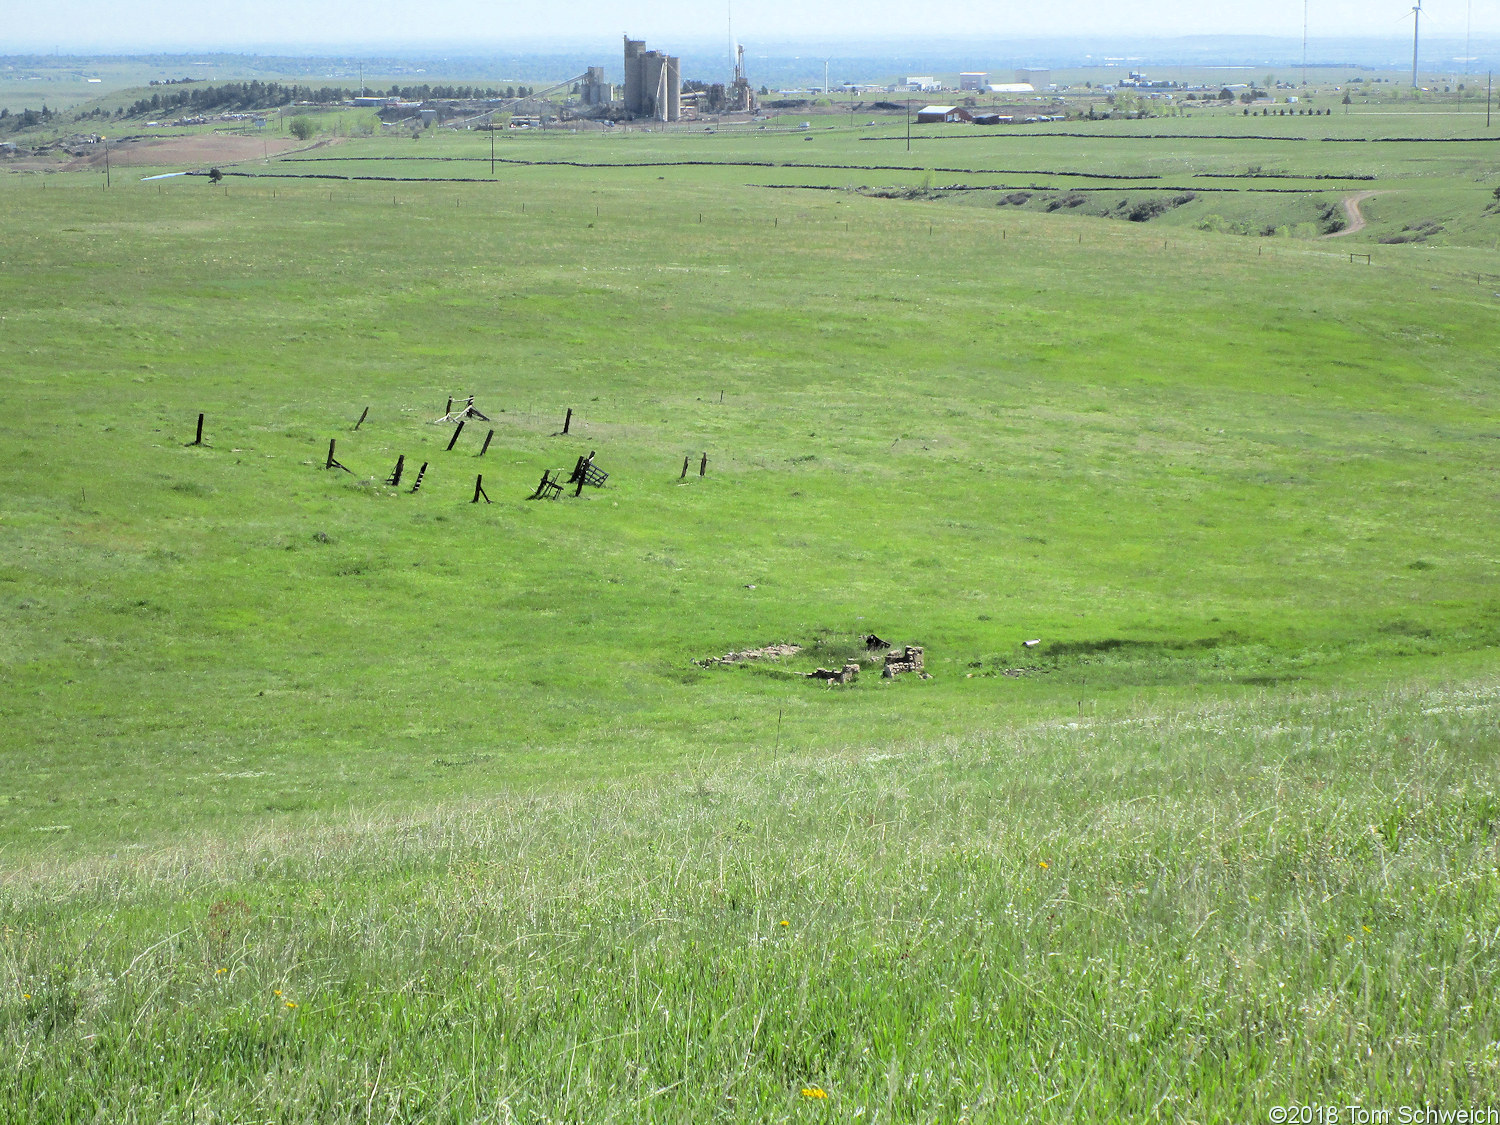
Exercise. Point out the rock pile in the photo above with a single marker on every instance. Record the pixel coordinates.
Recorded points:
(845, 675)
(770, 652)
(907, 659)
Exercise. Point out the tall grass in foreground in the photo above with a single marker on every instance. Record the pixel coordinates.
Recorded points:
(1190, 915)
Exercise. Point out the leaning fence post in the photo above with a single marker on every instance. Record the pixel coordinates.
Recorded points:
(199, 439)
(685, 461)
(485, 448)
(362, 418)
(703, 465)
(456, 432)
(568, 421)
(479, 490)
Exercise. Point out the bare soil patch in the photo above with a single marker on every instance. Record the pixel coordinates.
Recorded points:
(197, 149)
(1352, 213)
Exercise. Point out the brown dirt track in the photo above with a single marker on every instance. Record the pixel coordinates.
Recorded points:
(1353, 214)
(192, 150)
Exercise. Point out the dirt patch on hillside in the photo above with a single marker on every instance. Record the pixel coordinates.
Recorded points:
(1356, 219)
(196, 150)
(204, 148)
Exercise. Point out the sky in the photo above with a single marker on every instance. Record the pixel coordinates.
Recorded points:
(75, 26)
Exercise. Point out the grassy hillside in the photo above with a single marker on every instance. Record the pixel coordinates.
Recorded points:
(1181, 467)
(321, 798)
(1175, 914)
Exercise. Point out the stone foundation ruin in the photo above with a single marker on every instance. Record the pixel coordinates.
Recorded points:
(845, 675)
(897, 661)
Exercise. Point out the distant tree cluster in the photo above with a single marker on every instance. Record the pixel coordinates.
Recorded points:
(15, 122)
(242, 96)
(455, 93)
(233, 96)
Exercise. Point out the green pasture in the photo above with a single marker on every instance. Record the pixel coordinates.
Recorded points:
(1169, 914)
(1433, 174)
(452, 774)
(958, 427)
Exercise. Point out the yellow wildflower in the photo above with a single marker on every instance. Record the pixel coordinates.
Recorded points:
(291, 1004)
(814, 1092)
(1044, 865)
(784, 922)
(1367, 929)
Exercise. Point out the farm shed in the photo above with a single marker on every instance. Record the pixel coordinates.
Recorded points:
(940, 113)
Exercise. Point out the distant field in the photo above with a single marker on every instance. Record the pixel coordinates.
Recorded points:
(447, 771)
(1216, 170)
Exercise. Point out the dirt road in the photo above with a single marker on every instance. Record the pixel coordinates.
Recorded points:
(1353, 214)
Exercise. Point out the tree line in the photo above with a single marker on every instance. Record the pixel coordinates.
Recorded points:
(242, 96)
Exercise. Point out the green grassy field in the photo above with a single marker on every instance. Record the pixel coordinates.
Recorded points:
(448, 776)
(1192, 914)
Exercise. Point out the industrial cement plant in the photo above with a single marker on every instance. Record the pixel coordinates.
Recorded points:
(653, 83)
(653, 91)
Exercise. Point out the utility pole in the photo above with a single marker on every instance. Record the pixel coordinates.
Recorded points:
(492, 144)
(1488, 86)
(106, 162)
(908, 124)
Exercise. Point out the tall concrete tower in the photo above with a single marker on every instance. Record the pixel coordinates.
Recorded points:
(634, 48)
(653, 82)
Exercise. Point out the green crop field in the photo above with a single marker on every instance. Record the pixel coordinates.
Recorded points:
(327, 800)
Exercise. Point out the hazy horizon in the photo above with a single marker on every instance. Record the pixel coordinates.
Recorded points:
(285, 26)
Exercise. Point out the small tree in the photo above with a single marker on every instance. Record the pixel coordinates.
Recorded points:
(302, 128)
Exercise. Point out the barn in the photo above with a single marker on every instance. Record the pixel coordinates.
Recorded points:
(936, 114)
